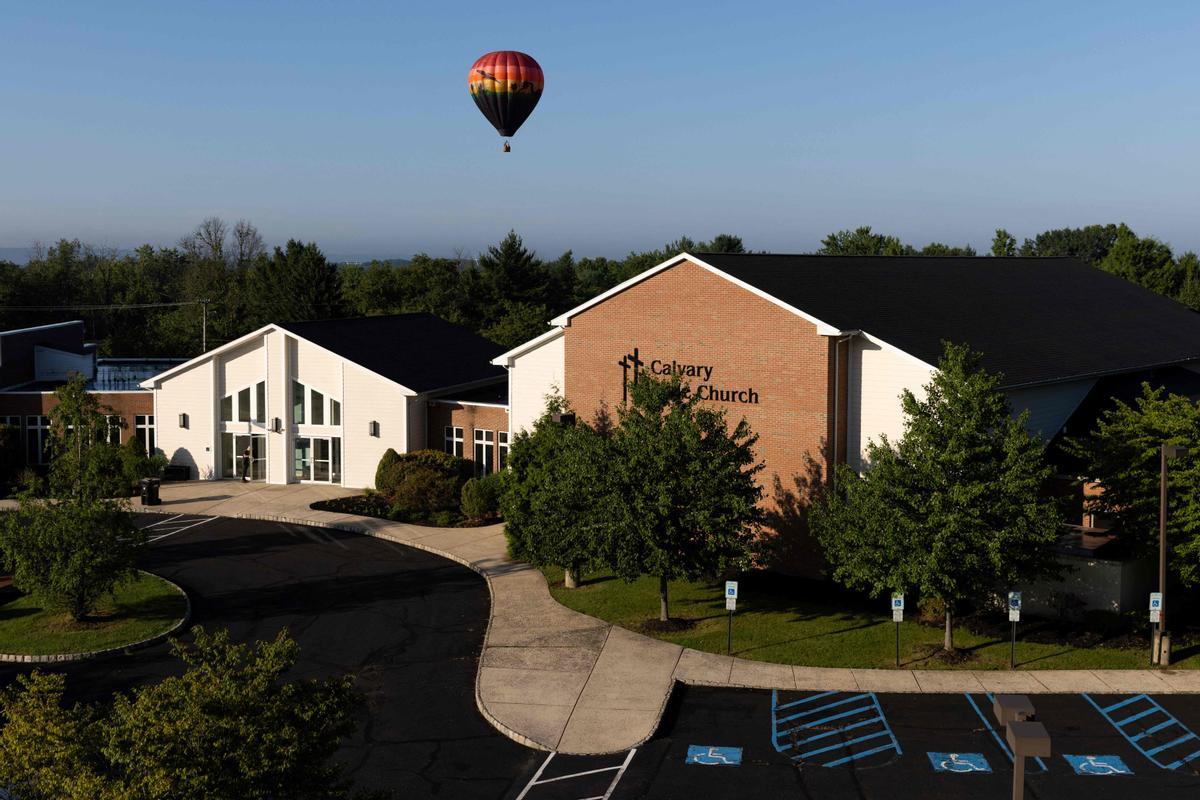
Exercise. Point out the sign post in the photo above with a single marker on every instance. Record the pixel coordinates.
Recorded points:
(1156, 609)
(897, 617)
(731, 594)
(1014, 616)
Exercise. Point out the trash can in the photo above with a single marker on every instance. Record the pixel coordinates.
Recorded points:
(150, 491)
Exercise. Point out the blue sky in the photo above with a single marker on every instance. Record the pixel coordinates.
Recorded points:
(350, 124)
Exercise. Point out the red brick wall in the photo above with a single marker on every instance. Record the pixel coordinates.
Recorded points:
(127, 404)
(691, 316)
(444, 413)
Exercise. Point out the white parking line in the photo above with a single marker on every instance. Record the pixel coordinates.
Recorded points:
(160, 522)
(181, 530)
(620, 770)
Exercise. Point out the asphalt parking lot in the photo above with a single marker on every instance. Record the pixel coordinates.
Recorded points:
(407, 623)
(410, 626)
(724, 743)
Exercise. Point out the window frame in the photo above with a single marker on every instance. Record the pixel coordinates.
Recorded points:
(452, 440)
(485, 446)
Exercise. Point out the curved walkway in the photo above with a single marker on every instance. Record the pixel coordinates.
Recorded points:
(559, 680)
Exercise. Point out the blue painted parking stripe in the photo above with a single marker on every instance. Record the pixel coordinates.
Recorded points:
(1137, 738)
(1154, 729)
(995, 734)
(1139, 715)
(818, 710)
(1172, 743)
(863, 754)
(808, 719)
(833, 732)
(804, 700)
(1121, 704)
(840, 745)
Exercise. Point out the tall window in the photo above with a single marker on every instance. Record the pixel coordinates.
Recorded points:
(502, 442)
(484, 442)
(318, 408)
(143, 428)
(37, 437)
(298, 390)
(250, 402)
(114, 428)
(335, 412)
(454, 441)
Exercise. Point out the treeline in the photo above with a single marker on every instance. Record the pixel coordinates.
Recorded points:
(220, 282)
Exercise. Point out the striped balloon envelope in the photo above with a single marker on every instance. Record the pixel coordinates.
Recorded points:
(506, 85)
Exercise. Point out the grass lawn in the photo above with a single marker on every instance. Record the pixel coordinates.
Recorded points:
(791, 621)
(140, 610)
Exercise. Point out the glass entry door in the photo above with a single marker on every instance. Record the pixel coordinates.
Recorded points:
(317, 459)
(234, 463)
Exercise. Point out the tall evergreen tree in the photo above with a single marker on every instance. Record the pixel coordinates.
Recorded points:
(296, 283)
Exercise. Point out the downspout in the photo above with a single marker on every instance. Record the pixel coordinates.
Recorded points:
(844, 336)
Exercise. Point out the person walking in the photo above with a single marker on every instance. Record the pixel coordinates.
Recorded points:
(246, 465)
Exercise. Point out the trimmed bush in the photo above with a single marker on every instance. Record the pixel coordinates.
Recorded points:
(384, 479)
(481, 497)
(425, 489)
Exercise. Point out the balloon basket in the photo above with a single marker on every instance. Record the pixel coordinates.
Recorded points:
(507, 149)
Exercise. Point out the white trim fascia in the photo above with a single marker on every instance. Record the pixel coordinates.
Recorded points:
(887, 345)
(42, 327)
(152, 383)
(449, 401)
(823, 328)
(8, 392)
(506, 359)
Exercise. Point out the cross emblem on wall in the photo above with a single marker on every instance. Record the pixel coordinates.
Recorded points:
(629, 362)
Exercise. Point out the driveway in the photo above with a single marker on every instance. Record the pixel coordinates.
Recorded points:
(408, 624)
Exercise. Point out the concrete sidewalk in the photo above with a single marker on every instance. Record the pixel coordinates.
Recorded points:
(558, 680)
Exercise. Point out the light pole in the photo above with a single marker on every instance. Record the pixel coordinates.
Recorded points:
(1162, 647)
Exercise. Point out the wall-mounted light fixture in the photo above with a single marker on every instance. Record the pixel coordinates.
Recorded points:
(276, 425)
(183, 420)
(373, 428)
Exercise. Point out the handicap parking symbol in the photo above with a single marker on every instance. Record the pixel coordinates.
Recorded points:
(959, 762)
(707, 756)
(1098, 765)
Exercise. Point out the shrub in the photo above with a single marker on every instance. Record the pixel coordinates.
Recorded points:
(425, 489)
(135, 464)
(481, 497)
(69, 555)
(384, 479)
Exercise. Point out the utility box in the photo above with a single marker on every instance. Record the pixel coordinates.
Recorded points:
(1012, 708)
(1028, 739)
(150, 492)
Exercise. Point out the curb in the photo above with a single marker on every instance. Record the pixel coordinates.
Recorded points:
(60, 658)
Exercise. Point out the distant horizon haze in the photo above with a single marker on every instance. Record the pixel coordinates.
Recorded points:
(351, 126)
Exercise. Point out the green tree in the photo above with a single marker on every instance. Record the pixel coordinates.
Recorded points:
(519, 323)
(84, 464)
(1122, 455)
(556, 492)
(685, 497)
(510, 274)
(1144, 261)
(953, 509)
(71, 554)
(862, 242)
(1090, 243)
(296, 283)
(1004, 244)
(231, 726)
(1189, 292)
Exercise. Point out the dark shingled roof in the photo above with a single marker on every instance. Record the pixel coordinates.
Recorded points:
(1036, 320)
(420, 351)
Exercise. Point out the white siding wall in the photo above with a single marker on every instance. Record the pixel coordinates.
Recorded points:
(1049, 406)
(190, 392)
(370, 398)
(533, 376)
(242, 367)
(878, 374)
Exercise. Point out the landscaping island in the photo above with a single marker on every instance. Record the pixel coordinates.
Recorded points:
(144, 608)
(791, 621)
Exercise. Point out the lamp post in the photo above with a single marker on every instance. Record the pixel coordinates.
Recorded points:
(1162, 647)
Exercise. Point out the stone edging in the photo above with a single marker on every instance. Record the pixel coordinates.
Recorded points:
(58, 658)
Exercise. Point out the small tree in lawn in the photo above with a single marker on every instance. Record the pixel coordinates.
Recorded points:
(555, 495)
(84, 464)
(1122, 455)
(686, 499)
(954, 508)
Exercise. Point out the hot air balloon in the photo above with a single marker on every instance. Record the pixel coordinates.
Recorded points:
(506, 85)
